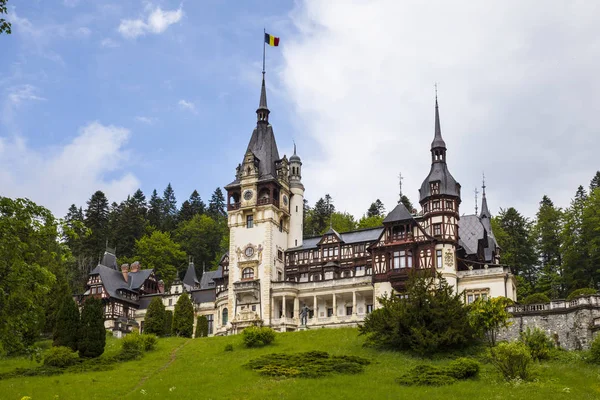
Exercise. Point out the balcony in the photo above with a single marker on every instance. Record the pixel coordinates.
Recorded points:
(268, 200)
(233, 206)
(244, 288)
(328, 283)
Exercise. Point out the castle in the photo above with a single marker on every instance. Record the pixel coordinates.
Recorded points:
(271, 271)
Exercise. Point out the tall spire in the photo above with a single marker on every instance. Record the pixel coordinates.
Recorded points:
(262, 112)
(438, 146)
(485, 212)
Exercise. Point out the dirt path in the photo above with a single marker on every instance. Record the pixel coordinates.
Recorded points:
(172, 358)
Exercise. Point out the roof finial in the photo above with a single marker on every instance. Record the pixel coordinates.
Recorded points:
(294, 147)
(400, 178)
(483, 183)
(262, 112)
(476, 204)
(438, 142)
(485, 211)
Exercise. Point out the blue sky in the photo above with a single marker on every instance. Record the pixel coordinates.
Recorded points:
(116, 96)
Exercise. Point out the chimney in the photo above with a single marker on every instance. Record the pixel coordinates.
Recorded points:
(135, 267)
(161, 286)
(125, 271)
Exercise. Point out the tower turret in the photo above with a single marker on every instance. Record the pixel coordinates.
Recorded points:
(296, 201)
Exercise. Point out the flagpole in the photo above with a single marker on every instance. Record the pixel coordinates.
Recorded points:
(264, 44)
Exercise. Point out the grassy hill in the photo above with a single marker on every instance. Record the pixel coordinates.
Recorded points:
(201, 369)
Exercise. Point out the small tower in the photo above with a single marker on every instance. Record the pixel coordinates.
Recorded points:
(296, 201)
(440, 198)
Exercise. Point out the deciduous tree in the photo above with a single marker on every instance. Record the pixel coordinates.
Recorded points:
(160, 252)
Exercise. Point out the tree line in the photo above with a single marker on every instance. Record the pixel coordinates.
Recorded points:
(156, 232)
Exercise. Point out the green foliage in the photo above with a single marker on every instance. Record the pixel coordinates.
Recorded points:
(488, 316)
(154, 322)
(168, 322)
(31, 259)
(228, 347)
(343, 222)
(311, 364)
(5, 26)
(581, 292)
(133, 345)
(201, 237)
(258, 336)
(201, 326)
(463, 368)
(92, 337)
(430, 319)
(169, 209)
(183, 318)
(216, 205)
(407, 203)
(159, 252)
(538, 343)
(149, 341)
(547, 230)
(536, 298)
(376, 209)
(60, 357)
(513, 360)
(370, 222)
(66, 329)
(594, 353)
(426, 375)
(318, 219)
(96, 220)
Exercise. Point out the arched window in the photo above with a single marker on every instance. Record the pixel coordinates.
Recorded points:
(225, 317)
(248, 273)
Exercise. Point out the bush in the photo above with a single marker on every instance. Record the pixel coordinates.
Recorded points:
(229, 347)
(255, 336)
(536, 298)
(538, 342)
(66, 328)
(594, 354)
(430, 319)
(581, 292)
(132, 347)
(183, 318)
(311, 364)
(92, 336)
(201, 326)
(463, 368)
(154, 322)
(149, 341)
(513, 360)
(168, 322)
(60, 357)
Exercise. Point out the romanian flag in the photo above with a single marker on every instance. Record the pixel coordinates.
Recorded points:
(271, 40)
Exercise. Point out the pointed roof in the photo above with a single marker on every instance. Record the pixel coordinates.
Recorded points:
(262, 104)
(399, 213)
(190, 278)
(485, 212)
(294, 157)
(263, 146)
(437, 138)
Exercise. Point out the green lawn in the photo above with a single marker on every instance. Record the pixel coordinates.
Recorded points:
(201, 369)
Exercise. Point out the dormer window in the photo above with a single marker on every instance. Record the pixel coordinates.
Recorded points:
(435, 187)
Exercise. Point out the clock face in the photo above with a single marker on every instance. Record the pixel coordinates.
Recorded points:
(285, 200)
(249, 251)
(247, 195)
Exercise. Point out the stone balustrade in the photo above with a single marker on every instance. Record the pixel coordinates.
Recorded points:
(329, 284)
(584, 301)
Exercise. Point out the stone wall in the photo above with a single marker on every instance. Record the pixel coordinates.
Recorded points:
(571, 324)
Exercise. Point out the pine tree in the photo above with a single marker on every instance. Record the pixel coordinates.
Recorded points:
(185, 213)
(66, 328)
(154, 322)
(595, 182)
(198, 206)
(216, 205)
(155, 207)
(376, 209)
(406, 201)
(96, 219)
(574, 249)
(201, 326)
(128, 224)
(547, 231)
(183, 318)
(92, 336)
(139, 200)
(169, 209)
(591, 233)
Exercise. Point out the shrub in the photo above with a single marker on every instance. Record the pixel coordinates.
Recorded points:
(149, 341)
(132, 347)
(536, 298)
(594, 353)
(581, 292)
(430, 319)
(229, 347)
(255, 336)
(488, 316)
(463, 368)
(201, 326)
(168, 322)
(183, 318)
(538, 342)
(513, 360)
(154, 322)
(426, 375)
(60, 357)
(311, 364)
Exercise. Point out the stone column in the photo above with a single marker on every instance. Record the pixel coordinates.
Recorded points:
(273, 308)
(297, 310)
(315, 310)
(354, 311)
(283, 306)
(334, 308)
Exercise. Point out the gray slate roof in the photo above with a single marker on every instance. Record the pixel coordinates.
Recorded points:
(113, 281)
(399, 213)
(207, 282)
(203, 296)
(448, 185)
(438, 141)
(363, 235)
(470, 231)
(190, 278)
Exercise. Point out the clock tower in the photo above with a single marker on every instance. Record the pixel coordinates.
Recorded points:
(265, 213)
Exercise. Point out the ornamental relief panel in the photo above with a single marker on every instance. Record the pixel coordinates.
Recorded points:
(449, 258)
(250, 252)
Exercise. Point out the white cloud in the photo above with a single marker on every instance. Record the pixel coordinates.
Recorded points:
(187, 105)
(157, 21)
(57, 177)
(16, 97)
(145, 120)
(518, 97)
(108, 43)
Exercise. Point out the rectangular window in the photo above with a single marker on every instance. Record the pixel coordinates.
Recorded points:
(449, 204)
(209, 317)
(315, 254)
(438, 256)
(296, 208)
(349, 310)
(170, 302)
(330, 312)
(280, 255)
(437, 229)
(409, 259)
(369, 308)
(403, 259)
(249, 221)
(436, 205)
(469, 299)
(396, 260)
